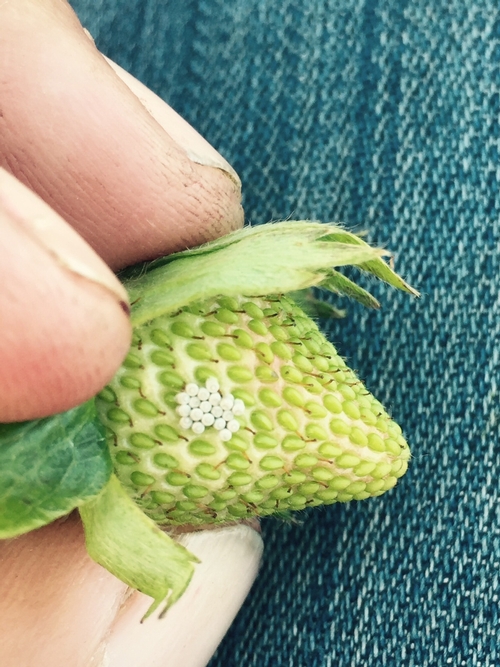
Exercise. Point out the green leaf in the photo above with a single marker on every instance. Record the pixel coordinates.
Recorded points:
(50, 466)
(256, 261)
(121, 538)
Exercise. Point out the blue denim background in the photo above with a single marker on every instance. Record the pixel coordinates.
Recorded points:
(385, 116)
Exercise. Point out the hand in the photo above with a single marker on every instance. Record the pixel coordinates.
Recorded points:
(133, 181)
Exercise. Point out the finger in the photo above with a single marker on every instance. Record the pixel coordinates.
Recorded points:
(64, 315)
(57, 604)
(192, 629)
(74, 132)
(196, 147)
(59, 608)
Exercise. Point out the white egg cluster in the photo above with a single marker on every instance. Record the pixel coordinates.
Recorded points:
(202, 407)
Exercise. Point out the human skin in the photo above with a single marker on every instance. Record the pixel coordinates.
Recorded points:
(96, 173)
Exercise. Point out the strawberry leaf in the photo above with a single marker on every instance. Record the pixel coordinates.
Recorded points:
(50, 466)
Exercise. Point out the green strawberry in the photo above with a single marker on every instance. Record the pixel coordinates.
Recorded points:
(231, 403)
(280, 422)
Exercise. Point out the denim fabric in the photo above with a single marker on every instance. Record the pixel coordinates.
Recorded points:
(383, 115)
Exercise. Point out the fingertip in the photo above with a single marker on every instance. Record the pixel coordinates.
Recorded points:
(196, 147)
(75, 133)
(191, 630)
(56, 603)
(64, 329)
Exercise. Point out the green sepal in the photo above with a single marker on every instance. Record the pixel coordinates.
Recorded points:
(275, 258)
(316, 307)
(376, 266)
(50, 466)
(340, 284)
(121, 538)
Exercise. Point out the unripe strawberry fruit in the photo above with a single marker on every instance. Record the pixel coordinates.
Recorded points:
(239, 407)
(231, 403)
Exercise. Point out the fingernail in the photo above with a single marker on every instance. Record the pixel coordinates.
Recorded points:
(51, 232)
(193, 628)
(88, 35)
(195, 146)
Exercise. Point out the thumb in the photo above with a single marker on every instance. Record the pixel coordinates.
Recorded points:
(59, 608)
(192, 629)
(64, 315)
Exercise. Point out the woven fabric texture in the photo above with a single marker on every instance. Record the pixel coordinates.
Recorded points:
(383, 115)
